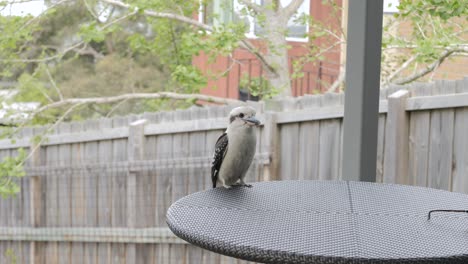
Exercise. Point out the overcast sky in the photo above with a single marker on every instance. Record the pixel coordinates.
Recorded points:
(34, 7)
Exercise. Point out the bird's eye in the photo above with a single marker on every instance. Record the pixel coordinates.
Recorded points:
(241, 115)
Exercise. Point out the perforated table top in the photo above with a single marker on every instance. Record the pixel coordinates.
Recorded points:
(325, 222)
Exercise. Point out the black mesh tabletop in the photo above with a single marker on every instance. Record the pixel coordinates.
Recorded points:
(325, 222)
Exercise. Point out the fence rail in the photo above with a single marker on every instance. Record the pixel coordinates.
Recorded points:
(98, 191)
(158, 235)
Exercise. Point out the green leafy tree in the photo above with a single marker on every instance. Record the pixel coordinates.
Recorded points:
(421, 36)
(10, 170)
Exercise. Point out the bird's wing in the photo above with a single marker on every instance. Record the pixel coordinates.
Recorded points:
(221, 147)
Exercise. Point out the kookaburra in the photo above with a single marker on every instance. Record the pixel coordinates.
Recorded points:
(235, 148)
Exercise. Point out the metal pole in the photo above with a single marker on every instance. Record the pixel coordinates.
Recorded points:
(364, 41)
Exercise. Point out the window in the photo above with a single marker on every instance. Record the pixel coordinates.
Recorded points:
(225, 11)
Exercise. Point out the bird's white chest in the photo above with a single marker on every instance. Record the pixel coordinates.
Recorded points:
(239, 156)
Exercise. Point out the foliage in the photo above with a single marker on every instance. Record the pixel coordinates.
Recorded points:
(444, 9)
(10, 255)
(10, 170)
(258, 87)
(433, 31)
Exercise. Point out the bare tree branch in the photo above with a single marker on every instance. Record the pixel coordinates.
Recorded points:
(243, 43)
(50, 128)
(338, 82)
(74, 47)
(255, 7)
(229, 68)
(116, 107)
(151, 13)
(112, 99)
(40, 15)
(56, 56)
(322, 52)
(401, 68)
(85, 50)
(88, 50)
(90, 10)
(460, 46)
(430, 67)
(251, 48)
(52, 81)
(290, 9)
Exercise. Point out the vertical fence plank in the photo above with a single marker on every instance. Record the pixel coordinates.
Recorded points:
(15, 214)
(25, 194)
(37, 205)
(330, 141)
(309, 151)
(289, 138)
(419, 139)
(119, 191)
(5, 203)
(180, 150)
(329, 149)
(78, 196)
(197, 144)
(440, 149)
(269, 143)
(64, 183)
(211, 137)
(380, 148)
(227, 260)
(51, 203)
(104, 191)
(255, 171)
(460, 153)
(3, 246)
(145, 189)
(90, 184)
(396, 139)
(164, 183)
(149, 187)
(419, 148)
(64, 192)
(135, 148)
(256, 168)
(3, 209)
(196, 176)
(462, 86)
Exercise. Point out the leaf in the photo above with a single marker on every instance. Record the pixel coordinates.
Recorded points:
(90, 32)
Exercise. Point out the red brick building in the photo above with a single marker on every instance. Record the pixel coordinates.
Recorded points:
(246, 67)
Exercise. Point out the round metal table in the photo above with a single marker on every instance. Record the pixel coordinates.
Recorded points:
(325, 222)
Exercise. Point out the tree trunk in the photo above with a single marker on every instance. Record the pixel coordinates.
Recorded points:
(277, 54)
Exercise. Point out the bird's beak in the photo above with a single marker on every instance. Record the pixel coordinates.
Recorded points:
(251, 121)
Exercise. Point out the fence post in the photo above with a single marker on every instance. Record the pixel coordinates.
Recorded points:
(396, 139)
(271, 138)
(135, 148)
(36, 212)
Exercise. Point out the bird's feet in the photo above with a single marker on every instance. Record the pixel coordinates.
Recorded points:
(243, 184)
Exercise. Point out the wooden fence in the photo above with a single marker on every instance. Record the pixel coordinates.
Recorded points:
(98, 191)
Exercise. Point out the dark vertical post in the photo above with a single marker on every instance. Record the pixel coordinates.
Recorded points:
(364, 41)
(320, 76)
